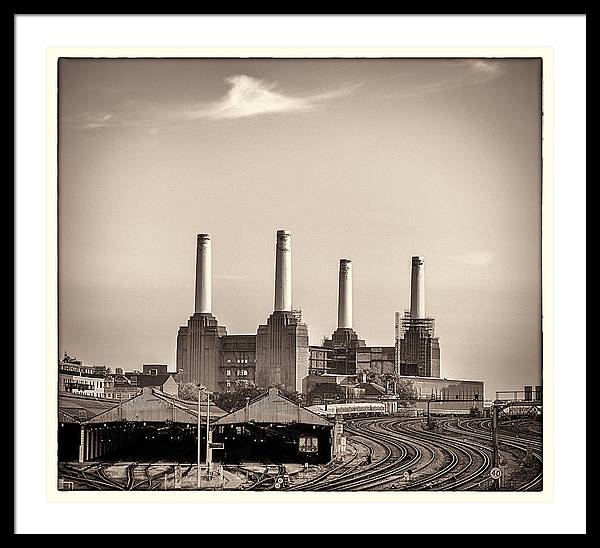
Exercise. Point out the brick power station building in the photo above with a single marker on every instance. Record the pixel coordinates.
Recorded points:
(344, 358)
(415, 353)
(279, 353)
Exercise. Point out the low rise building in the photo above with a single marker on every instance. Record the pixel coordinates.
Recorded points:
(155, 369)
(458, 395)
(319, 389)
(76, 378)
(165, 382)
(119, 387)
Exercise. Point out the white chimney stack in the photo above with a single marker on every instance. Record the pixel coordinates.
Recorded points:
(345, 295)
(283, 272)
(203, 275)
(417, 288)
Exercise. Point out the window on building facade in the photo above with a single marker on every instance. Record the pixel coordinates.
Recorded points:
(228, 373)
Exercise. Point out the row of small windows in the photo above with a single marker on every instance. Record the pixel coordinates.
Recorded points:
(239, 372)
(445, 393)
(82, 385)
(239, 360)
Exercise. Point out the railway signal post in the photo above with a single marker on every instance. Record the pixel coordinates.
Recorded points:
(495, 460)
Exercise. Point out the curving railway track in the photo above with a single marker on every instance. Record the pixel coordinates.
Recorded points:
(458, 458)
(524, 439)
(95, 477)
(389, 453)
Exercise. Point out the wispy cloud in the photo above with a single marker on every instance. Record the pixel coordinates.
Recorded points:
(246, 97)
(476, 259)
(249, 96)
(465, 73)
(95, 120)
(90, 120)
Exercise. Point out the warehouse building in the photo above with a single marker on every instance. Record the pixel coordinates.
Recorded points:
(149, 425)
(274, 429)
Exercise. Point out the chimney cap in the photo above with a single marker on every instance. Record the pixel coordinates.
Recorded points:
(345, 261)
(203, 237)
(418, 258)
(283, 233)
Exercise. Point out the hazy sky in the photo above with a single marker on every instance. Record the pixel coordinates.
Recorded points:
(373, 160)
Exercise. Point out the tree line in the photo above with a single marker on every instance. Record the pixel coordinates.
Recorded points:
(232, 401)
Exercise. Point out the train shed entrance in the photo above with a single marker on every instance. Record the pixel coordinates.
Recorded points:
(149, 426)
(274, 429)
(73, 411)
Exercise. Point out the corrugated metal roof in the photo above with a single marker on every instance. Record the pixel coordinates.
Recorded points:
(151, 405)
(76, 408)
(273, 408)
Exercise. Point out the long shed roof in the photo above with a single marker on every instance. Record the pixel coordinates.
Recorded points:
(78, 408)
(152, 405)
(273, 408)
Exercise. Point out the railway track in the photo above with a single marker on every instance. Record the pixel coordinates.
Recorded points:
(524, 443)
(457, 459)
(96, 478)
(139, 475)
(364, 476)
(338, 471)
(397, 457)
(93, 476)
(400, 456)
(469, 460)
(436, 463)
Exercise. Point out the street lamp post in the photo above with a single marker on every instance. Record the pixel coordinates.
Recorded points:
(202, 388)
(208, 438)
(199, 439)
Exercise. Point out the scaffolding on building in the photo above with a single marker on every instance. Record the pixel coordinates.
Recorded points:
(404, 323)
(408, 348)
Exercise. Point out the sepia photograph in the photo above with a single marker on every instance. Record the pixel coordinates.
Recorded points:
(300, 274)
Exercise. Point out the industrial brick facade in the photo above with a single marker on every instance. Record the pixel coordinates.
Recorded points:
(419, 349)
(415, 353)
(277, 355)
(282, 351)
